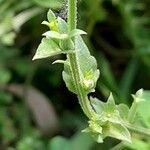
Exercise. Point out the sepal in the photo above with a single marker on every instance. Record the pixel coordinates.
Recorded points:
(109, 119)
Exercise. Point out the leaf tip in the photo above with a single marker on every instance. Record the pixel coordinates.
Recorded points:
(34, 58)
(59, 62)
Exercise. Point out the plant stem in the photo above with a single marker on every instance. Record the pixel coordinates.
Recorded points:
(136, 129)
(139, 130)
(75, 69)
(72, 15)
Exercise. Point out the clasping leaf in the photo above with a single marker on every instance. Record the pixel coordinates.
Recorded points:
(87, 66)
(47, 48)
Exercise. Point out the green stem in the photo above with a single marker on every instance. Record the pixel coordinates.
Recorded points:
(82, 96)
(139, 130)
(72, 15)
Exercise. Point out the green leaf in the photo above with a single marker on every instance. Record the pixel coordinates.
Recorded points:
(88, 68)
(143, 108)
(55, 35)
(110, 105)
(95, 130)
(59, 62)
(139, 93)
(45, 23)
(47, 48)
(87, 63)
(67, 45)
(67, 77)
(76, 32)
(118, 131)
(62, 25)
(62, 36)
(97, 105)
(108, 117)
(138, 97)
(51, 16)
(123, 111)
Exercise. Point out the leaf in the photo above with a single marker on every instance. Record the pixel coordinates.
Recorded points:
(51, 16)
(139, 93)
(118, 131)
(67, 45)
(95, 130)
(138, 97)
(87, 63)
(97, 105)
(88, 68)
(62, 36)
(47, 48)
(67, 77)
(123, 111)
(76, 32)
(108, 117)
(55, 35)
(110, 105)
(143, 108)
(62, 25)
(59, 62)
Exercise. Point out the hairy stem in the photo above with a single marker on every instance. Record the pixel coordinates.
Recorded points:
(139, 130)
(72, 14)
(75, 69)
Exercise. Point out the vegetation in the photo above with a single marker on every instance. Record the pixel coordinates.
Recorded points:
(118, 32)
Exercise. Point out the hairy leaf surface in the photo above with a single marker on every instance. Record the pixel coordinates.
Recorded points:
(47, 48)
(88, 68)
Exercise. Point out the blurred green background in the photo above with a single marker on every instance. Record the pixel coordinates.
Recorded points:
(37, 112)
